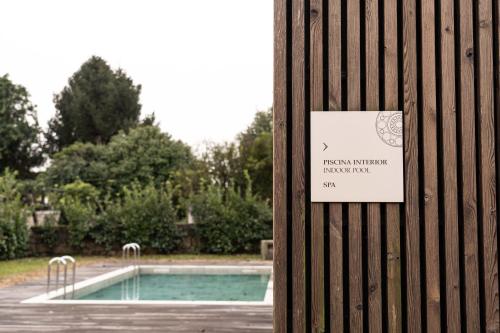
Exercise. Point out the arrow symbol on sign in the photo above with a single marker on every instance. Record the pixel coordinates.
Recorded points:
(326, 146)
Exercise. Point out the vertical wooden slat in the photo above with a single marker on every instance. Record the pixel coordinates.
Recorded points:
(373, 210)
(392, 210)
(317, 218)
(298, 168)
(461, 179)
(412, 219)
(448, 127)
(468, 161)
(279, 170)
(336, 262)
(355, 221)
(429, 117)
(487, 160)
(335, 209)
(355, 269)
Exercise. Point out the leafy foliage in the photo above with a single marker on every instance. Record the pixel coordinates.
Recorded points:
(144, 215)
(20, 144)
(48, 232)
(144, 154)
(13, 228)
(230, 223)
(256, 153)
(247, 162)
(224, 166)
(81, 191)
(97, 103)
(80, 216)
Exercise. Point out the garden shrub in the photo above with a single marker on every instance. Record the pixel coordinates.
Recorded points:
(79, 216)
(108, 228)
(144, 215)
(13, 227)
(148, 217)
(82, 191)
(48, 232)
(78, 202)
(230, 223)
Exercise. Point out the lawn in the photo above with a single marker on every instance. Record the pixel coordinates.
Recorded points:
(19, 270)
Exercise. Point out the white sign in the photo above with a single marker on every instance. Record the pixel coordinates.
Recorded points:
(357, 156)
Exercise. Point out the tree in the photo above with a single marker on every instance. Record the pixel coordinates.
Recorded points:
(256, 153)
(246, 162)
(97, 103)
(144, 154)
(20, 144)
(13, 215)
(224, 165)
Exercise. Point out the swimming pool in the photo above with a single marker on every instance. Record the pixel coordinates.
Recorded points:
(171, 284)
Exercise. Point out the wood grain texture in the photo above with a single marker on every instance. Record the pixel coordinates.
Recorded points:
(279, 169)
(336, 267)
(355, 269)
(298, 168)
(468, 162)
(455, 147)
(431, 209)
(373, 210)
(448, 128)
(412, 214)
(355, 220)
(487, 160)
(391, 52)
(317, 218)
(335, 209)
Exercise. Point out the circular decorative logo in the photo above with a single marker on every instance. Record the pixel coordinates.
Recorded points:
(389, 126)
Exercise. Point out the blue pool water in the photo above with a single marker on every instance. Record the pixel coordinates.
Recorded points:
(186, 287)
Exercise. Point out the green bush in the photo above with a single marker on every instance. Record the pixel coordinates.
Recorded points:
(13, 227)
(81, 191)
(78, 202)
(144, 215)
(229, 223)
(49, 232)
(80, 216)
(143, 154)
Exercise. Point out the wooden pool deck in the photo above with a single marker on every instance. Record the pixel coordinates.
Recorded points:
(18, 317)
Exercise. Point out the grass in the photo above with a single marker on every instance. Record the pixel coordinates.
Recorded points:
(20, 270)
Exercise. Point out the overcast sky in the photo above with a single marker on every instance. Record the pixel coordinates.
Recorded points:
(205, 66)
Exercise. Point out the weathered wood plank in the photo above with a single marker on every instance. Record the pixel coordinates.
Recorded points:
(391, 81)
(335, 209)
(487, 160)
(355, 219)
(355, 269)
(468, 161)
(412, 214)
(336, 264)
(298, 167)
(373, 211)
(429, 116)
(448, 127)
(279, 168)
(317, 218)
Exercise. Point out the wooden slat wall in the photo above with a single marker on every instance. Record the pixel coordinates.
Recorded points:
(430, 264)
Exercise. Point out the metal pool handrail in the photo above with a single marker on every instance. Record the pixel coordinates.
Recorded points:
(61, 261)
(58, 261)
(136, 249)
(73, 263)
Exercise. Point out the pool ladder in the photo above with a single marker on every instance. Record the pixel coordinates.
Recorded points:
(130, 289)
(64, 260)
(136, 252)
